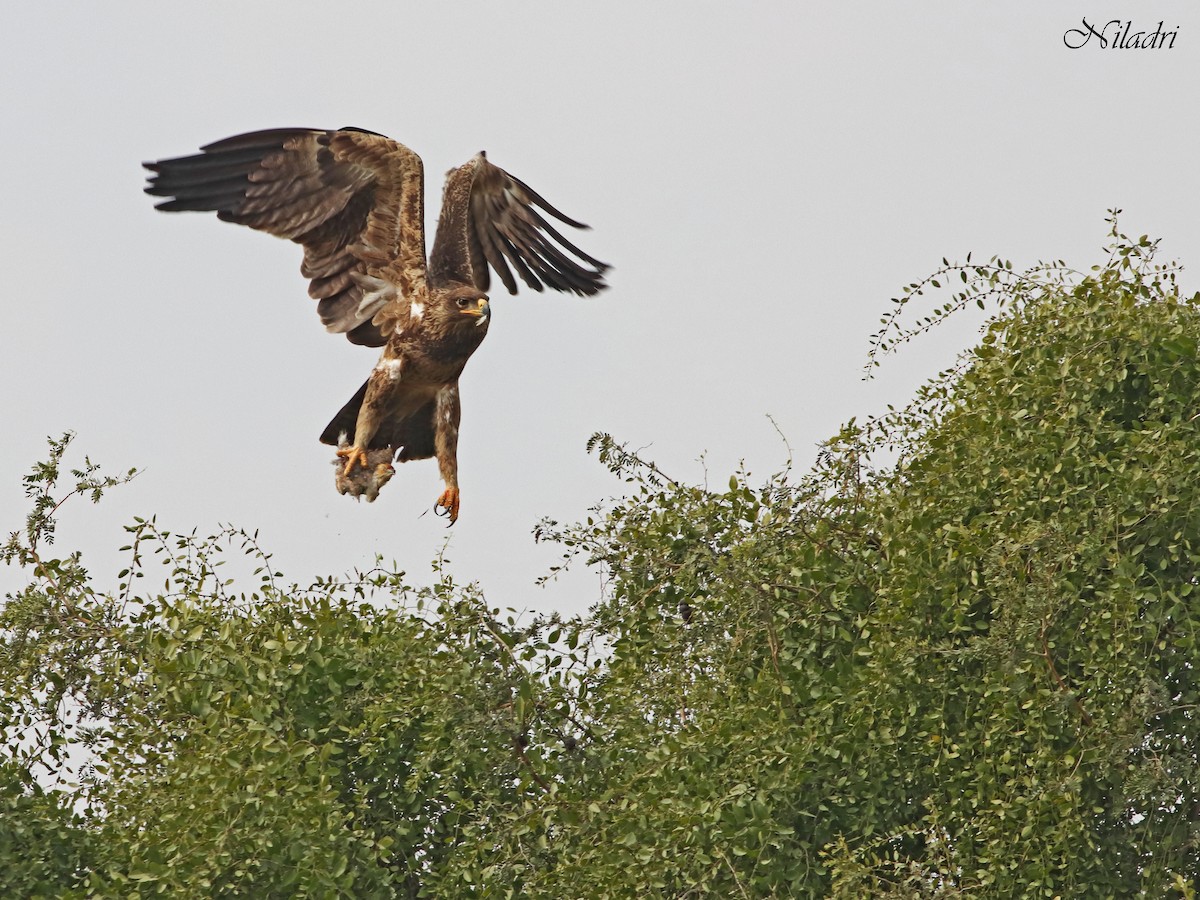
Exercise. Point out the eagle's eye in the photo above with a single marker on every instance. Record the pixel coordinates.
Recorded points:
(462, 302)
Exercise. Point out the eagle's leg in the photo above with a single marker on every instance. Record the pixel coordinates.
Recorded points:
(446, 416)
(367, 422)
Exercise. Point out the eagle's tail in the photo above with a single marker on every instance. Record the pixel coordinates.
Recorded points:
(411, 437)
(340, 430)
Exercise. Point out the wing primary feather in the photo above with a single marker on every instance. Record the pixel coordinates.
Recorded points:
(168, 179)
(193, 204)
(536, 198)
(530, 239)
(516, 258)
(495, 258)
(601, 267)
(270, 137)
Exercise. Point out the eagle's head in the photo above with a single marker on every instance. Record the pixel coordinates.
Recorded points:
(463, 307)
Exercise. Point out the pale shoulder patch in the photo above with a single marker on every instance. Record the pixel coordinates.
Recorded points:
(392, 368)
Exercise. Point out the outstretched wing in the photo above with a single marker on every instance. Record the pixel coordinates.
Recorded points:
(352, 198)
(491, 218)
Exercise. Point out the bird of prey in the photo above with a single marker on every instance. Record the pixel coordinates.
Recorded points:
(354, 200)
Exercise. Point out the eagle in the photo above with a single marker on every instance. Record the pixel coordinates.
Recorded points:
(354, 200)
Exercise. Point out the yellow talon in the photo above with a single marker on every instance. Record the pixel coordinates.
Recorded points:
(449, 501)
(352, 455)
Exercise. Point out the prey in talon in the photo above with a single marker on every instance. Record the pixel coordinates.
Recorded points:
(354, 200)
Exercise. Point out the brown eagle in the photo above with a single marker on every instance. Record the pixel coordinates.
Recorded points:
(354, 200)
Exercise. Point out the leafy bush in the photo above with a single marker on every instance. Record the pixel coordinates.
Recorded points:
(972, 672)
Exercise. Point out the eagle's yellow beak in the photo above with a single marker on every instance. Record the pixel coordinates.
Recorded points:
(481, 309)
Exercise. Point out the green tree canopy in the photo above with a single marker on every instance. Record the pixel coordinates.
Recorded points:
(970, 672)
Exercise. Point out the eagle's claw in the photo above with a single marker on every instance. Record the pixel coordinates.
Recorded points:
(352, 455)
(447, 505)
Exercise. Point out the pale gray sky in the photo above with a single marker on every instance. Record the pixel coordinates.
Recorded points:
(763, 177)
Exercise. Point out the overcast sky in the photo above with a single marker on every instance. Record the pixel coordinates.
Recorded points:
(762, 176)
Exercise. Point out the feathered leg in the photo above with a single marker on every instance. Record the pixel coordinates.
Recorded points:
(366, 425)
(447, 415)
